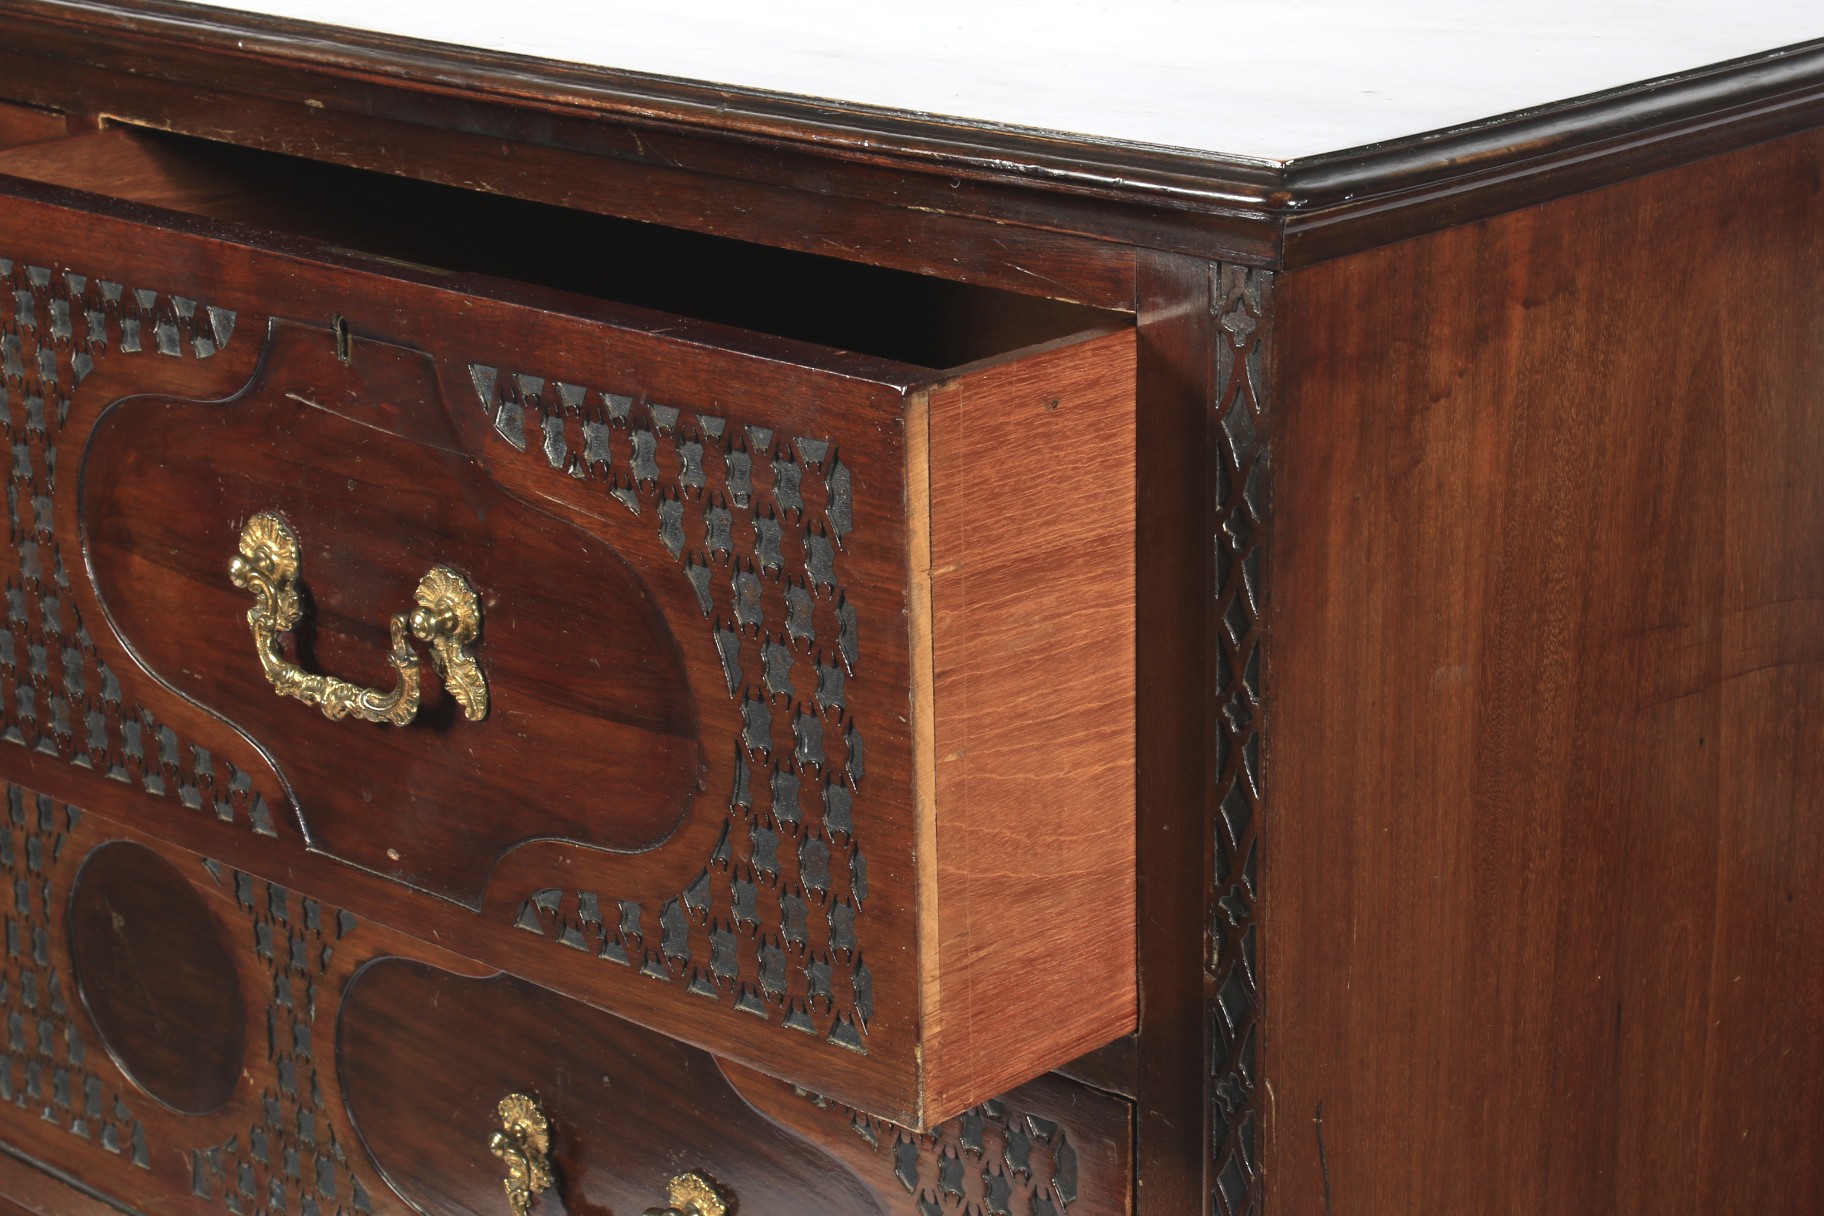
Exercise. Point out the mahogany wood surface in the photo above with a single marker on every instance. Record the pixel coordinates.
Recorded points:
(583, 921)
(1048, 1146)
(663, 174)
(596, 717)
(1010, 596)
(628, 1107)
(127, 163)
(1543, 902)
(150, 959)
(1175, 728)
(909, 318)
(73, 1109)
(1110, 1068)
(26, 1190)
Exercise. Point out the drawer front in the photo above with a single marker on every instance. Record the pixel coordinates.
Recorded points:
(682, 715)
(641, 611)
(187, 1037)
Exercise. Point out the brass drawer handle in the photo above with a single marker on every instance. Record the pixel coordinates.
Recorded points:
(693, 1194)
(524, 1143)
(447, 617)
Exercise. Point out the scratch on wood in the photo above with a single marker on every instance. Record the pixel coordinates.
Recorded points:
(1323, 1158)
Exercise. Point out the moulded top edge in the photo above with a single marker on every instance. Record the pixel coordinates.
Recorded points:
(1272, 83)
(1277, 110)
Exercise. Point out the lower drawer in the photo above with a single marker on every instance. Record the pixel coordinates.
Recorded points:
(184, 1037)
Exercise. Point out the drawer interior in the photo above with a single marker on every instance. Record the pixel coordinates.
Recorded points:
(890, 314)
(28, 125)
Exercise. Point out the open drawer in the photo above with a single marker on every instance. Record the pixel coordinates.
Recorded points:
(738, 641)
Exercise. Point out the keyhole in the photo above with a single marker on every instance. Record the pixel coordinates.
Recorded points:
(339, 324)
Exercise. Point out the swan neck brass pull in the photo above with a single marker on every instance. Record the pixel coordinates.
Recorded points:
(447, 618)
(524, 1143)
(693, 1194)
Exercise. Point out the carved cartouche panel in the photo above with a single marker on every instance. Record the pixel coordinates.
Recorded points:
(589, 697)
(373, 1063)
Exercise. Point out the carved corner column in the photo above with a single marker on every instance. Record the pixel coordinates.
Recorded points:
(1240, 418)
(1202, 517)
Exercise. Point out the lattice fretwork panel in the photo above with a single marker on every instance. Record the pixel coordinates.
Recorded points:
(1242, 316)
(47, 1066)
(756, 522)
(57, 694)
(290, 1162)
(994, 1160)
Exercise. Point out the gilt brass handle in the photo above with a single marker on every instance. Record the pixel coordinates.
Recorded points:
(447, 618)
(524, 1143)
(693, 1194)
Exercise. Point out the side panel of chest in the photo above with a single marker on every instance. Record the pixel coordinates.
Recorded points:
(1548, 689)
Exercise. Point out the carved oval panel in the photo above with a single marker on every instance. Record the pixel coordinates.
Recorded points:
(425, 1056)
(156, 977)
(590, 734)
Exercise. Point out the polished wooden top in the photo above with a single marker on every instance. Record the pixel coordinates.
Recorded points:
(1342, 74)
(1281, 137)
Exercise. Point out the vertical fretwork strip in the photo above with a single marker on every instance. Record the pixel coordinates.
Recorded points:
(1241, 313)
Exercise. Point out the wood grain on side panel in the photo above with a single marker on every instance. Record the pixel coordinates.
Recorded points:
(1032, 601)
(1549, 699)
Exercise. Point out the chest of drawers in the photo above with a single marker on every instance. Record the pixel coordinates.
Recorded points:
(835, 661)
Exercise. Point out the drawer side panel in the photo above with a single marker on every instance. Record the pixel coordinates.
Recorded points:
(1032, 600)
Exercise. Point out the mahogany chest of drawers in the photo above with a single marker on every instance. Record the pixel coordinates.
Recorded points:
(580, 642)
